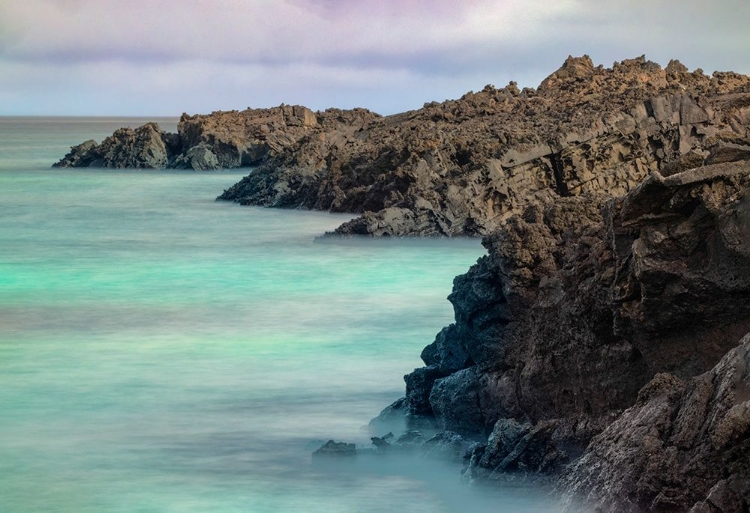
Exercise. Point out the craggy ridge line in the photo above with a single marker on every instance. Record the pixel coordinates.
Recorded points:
(459, 167)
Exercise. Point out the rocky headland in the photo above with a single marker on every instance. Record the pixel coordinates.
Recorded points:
(598, 340)
(603, 340)
(213, 141)
(459, 167)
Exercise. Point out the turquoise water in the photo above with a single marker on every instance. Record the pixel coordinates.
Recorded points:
(163, 352)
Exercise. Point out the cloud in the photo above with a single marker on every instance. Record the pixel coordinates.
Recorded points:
(261, 31)
(203, 86)
(388, 55)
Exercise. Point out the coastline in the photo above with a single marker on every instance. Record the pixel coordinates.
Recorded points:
(597, 341)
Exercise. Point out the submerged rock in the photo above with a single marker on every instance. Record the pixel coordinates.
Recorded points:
(332, 449)
(444, 445)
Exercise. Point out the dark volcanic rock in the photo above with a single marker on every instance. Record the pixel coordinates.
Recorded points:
(683, 444)
(200, 158)
(454, 401)
(246, 138)
(577, 306)
(333, 449)
(79, 156)
(520, 447)
(218, 140)
(462, 167)
(445, 445)
(145, 147)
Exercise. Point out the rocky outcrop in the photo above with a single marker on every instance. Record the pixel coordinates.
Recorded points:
(144, 147)
(81, 155)
(462, 167)
(247, 138)
(577, 306)
(218, 140)
(333, 449)
(595, 339)
(683, 444)
(446, 445)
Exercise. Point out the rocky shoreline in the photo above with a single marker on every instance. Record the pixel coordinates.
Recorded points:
(459, 167)
(602, 349)
(603, 341)
(602, 345)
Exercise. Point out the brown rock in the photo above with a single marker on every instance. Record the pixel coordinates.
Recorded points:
(572, 313)
(461, 167)
(682, 444)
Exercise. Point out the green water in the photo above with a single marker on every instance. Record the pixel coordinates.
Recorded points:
(163, 352)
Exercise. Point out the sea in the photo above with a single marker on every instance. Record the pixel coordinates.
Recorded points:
(161, 351)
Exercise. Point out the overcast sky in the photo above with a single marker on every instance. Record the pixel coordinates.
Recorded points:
(165, 57)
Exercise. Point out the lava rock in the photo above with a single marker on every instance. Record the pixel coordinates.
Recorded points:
(336, 450)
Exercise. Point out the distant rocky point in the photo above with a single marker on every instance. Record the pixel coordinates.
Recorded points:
(462, 166)
(221, 140)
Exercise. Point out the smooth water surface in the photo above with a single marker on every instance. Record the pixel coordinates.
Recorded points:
(164, 352)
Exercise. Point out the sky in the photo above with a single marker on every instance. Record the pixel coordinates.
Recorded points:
(165, 57)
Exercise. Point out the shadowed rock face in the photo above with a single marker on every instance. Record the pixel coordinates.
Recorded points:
(463, 166)
(684, 443)
(577, 306)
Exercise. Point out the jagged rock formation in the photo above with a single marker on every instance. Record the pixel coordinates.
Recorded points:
(683, 444)
(615, 205)
(444, 445)
(332, 449)
(218, 140)
(463, 166)
(145, 147)
(573, 311)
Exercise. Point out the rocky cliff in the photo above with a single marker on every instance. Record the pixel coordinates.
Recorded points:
(459, 167)
(589, 318)
(684, 445)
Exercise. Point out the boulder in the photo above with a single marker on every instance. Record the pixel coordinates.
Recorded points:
(81, 155)
(200, 158)
(333, 449)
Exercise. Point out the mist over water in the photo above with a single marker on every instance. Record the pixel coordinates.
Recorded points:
(163, 352)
